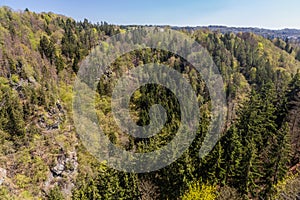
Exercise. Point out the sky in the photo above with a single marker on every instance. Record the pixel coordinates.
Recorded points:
(272, 14)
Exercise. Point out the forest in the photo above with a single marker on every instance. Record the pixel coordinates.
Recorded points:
(43, 157)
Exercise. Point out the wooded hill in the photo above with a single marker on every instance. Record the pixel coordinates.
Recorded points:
(42, 157)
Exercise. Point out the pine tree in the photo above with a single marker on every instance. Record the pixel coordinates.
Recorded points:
(232, 155)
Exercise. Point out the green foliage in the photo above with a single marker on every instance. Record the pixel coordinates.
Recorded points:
(107, 184)
(40, 54)
(5, 194)
(200, 191)
(47, 48)
(22, 181)
(55, 194)
(288, 188)
(11, 112)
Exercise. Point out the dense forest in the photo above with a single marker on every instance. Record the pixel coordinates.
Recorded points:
(42, 156)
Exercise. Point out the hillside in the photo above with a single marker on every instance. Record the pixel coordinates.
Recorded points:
(267, 33)
(42, 157)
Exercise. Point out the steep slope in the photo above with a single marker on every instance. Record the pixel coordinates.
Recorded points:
(38, 141)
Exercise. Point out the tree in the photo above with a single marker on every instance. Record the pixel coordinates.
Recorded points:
(55, 194)
(232, 155)
(200, 191)
(47, 48)
(257, 126)
(298, 55)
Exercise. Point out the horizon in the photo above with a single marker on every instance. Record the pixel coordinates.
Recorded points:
(180, 26)
(272, 15)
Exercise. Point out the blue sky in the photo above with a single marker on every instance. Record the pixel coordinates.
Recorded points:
(273, 14)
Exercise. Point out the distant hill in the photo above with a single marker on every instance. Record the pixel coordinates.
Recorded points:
(267, 33)
(291, 34)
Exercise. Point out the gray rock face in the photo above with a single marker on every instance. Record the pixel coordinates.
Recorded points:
(64, 172)
(66, 164)
(54, 126)
(58, 169)
(2, 175)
